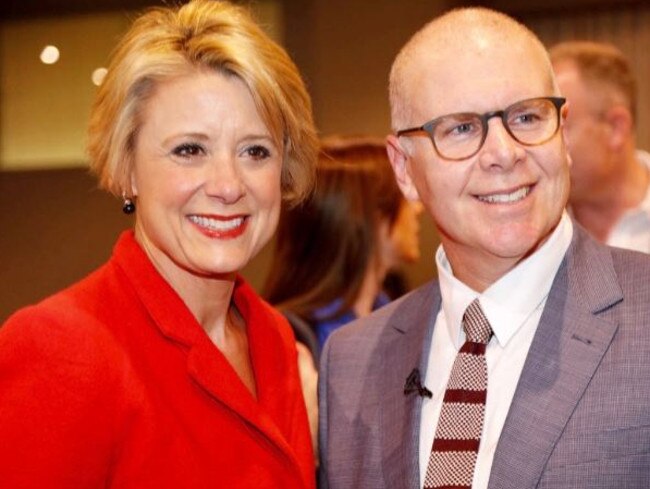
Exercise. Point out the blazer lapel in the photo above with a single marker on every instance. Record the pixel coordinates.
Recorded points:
(206, 365)
(410, 326)
(575, 331)
(210, 369)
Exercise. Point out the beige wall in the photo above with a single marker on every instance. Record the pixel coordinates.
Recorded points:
(45, 107)
(345, 50)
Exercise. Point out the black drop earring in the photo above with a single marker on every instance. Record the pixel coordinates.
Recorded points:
(128, 207)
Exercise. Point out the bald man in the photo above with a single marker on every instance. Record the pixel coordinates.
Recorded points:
(526, 364)
(610, 190)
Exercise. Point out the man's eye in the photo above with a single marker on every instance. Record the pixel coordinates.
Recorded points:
(527, 118)
(188, 150)
(457, 129)
(464, 128)
(258, 152)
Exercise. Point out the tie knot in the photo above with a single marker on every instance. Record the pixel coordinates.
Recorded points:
(476, 326)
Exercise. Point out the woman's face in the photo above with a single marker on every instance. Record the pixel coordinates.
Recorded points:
(400, 243)
(206, 176)
(405, 233)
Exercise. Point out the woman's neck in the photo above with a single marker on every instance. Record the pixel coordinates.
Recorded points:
(207, 298)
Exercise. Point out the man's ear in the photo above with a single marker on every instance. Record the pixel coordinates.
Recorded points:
(399, 160)
(619, 120)
(564, 112)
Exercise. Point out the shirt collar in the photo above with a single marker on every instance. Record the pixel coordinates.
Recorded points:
(512, 299)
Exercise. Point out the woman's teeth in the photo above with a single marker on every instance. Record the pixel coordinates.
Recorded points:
(217, 224)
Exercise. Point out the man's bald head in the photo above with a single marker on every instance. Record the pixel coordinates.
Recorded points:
(451, 38)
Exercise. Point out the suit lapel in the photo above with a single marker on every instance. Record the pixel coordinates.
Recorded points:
(575, 331)
(410, 326)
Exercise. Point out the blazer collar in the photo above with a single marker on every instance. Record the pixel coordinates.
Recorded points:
(574, 332)
(405, 347)
(206, 365)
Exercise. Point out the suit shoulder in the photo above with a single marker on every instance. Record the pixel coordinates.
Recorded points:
(632, 268)
(633, 275)
(63, 327)
(393, 315)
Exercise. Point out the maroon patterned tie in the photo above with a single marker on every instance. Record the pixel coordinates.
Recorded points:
(458, 435)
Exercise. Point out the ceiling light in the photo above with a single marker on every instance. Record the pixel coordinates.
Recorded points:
(98, 76)
(50, 55)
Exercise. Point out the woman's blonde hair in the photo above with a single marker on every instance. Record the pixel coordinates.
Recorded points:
(167, 42)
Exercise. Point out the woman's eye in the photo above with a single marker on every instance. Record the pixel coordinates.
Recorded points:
(188, 150)
(258, 152)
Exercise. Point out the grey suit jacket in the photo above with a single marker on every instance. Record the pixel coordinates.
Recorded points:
(580, 417)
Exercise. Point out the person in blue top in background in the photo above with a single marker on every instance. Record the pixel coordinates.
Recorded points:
(334, 251)
(333, 315)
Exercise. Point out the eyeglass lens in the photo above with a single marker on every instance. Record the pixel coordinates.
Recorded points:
(459, 136)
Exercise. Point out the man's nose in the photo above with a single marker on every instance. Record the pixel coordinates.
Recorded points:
(500, 149)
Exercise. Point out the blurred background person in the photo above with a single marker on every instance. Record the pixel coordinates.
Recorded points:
(335, 249)
(610, 178)
(164, 368)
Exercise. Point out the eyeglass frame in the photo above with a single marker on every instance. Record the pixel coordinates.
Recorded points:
(429, 127)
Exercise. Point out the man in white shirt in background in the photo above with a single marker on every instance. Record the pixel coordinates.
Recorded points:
(610, 178)
(527, 363)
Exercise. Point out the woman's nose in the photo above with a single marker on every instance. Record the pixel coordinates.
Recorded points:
(223, 179)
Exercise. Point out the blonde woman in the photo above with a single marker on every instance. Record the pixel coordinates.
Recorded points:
(164, 368)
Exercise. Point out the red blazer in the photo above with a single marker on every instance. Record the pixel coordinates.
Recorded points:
(113, 384)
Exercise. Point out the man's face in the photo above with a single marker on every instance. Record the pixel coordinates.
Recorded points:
(498, 206)
(586, 136)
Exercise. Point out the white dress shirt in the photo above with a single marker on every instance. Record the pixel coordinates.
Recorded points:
(632, 231)
(513, 305)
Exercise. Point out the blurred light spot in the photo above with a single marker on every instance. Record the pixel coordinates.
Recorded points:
(98, 76)
(50, 55)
